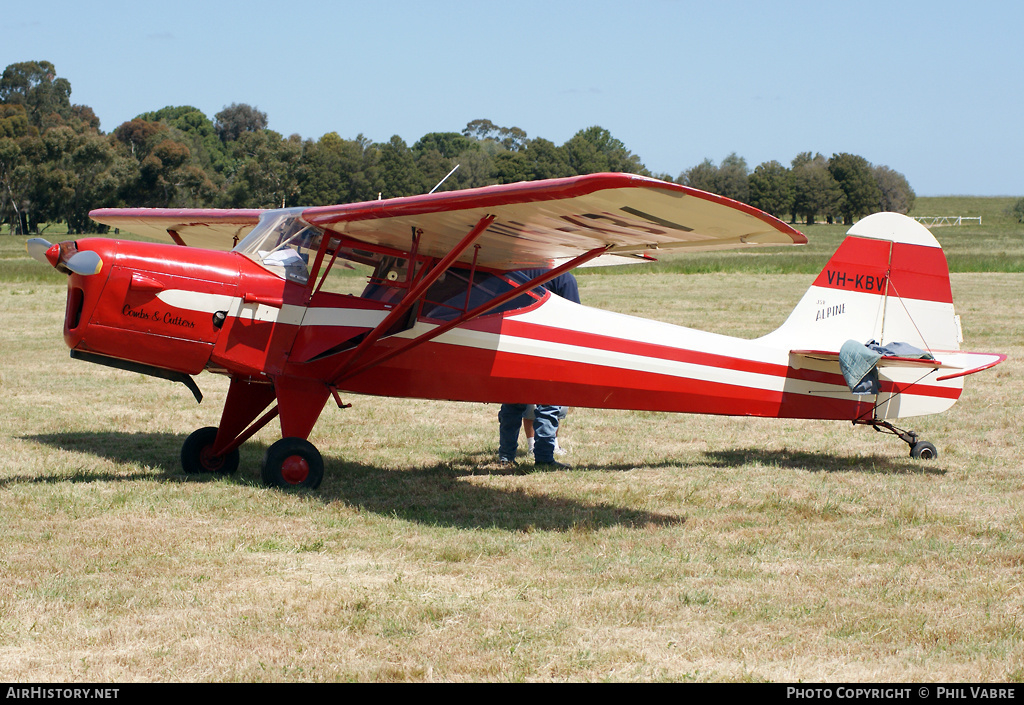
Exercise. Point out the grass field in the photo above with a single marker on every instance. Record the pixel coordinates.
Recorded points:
(678, 548)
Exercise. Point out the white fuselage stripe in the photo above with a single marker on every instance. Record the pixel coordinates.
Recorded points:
(553, 314)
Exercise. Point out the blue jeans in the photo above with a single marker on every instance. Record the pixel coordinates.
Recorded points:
(545, 428)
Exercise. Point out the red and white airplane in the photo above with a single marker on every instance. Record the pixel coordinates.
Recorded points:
(248, 294)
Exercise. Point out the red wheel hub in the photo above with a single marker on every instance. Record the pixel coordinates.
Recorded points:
(210, 462)
(294, 469)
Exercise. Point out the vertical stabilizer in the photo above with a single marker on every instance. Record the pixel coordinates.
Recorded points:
(887, 282)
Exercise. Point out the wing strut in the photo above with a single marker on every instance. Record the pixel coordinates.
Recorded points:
(410, 298)
(346, 371)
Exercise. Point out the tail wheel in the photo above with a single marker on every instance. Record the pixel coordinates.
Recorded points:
(924, 450)
(293, 462)
(918, 449)
(197, 454)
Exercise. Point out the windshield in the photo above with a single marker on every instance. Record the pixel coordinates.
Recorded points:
(282, 243)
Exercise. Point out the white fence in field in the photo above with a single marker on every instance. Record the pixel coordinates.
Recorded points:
(933, 221)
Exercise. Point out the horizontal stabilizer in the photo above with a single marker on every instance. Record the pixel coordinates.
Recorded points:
(884, 361)
(960, 362)
(968, 363)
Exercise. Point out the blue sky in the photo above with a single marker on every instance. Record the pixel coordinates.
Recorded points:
(930, 89)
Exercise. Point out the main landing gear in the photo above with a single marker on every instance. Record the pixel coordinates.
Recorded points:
(293, 462)
(290, 462)
(918, 448)
(197, 454)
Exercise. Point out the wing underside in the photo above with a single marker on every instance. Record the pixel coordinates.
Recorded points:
(535, 223)
(208, 228)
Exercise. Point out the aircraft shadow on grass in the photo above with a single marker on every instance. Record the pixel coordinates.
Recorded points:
(436, 494)
(817, 462)
(432, 495)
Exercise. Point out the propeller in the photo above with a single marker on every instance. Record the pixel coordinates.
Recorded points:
(85, 263)
(64, 256)
(36, 248)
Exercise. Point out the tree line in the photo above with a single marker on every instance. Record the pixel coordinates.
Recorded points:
(56, 164)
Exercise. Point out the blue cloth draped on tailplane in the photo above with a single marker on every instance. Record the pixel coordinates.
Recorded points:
(859, 362)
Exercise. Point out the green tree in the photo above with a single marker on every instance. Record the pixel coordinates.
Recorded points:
(138, 136)
(432, 166)
(84, 118)
(510, 167)
(855, 178)
(896, 194)
(1017, 210)
(480, 129)
(269, 171)
(732, 180)
(545, 160)
(448, 144)
(35, 85)
(13, 121)
(437, 153)
(476, 166)
(594, 150)
(13, 184)
(703, 176)
(539, 159)
(512, 139)
(74, 173)
(771, 189)
(815, 191)
(236, 119)
(198, 132)
(399, 173)
(335, 170)
(163, 169)
(180, 160)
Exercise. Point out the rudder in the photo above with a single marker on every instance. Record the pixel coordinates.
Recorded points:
(888, 282)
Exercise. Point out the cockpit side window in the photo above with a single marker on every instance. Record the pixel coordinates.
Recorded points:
(282, 243)
(453, 294)
(388, 281)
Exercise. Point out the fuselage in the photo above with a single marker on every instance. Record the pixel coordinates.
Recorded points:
(559, 352)
(190, 310)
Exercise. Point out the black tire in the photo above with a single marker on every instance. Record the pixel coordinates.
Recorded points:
(293, 462)
(197, 458)
(924, 450)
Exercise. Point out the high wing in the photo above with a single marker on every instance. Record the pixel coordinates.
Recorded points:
(208, 228)
(536, 224)
(539, 222)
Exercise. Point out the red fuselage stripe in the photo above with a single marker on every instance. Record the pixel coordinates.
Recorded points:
(663, 352)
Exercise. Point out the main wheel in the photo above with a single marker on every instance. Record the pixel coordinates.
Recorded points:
(293, 462)
(197, 455)
(923, 450)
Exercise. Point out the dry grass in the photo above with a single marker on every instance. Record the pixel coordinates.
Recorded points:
(679, 548)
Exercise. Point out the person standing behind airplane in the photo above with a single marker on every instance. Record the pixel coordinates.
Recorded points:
(545, 421)
(528, 427)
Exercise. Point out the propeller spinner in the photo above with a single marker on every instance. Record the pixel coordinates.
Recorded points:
(64, 256)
